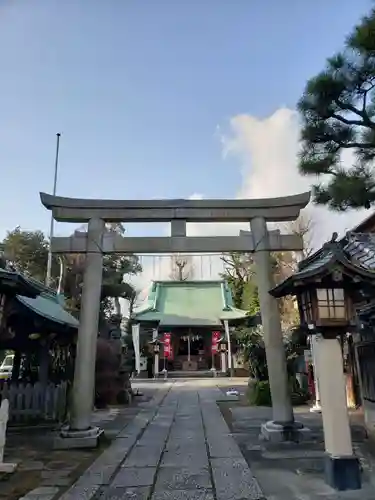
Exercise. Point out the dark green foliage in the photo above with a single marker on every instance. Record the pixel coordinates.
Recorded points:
(27, 252)
(338, 114)
(259, 393)
(129, 362)
(115, 268)
(240, 276)
(250, 342)
(250, 298)
(299, 396)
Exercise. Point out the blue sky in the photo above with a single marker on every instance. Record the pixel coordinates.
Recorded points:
(139, 89)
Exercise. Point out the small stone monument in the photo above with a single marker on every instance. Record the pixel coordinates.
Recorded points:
(4, 415)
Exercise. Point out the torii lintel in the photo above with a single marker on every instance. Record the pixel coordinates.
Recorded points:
(286, 208)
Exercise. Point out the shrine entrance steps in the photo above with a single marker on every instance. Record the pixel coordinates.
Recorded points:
(193, 374)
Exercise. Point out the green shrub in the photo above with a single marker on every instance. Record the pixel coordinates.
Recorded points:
(300, 397)
(259, 393)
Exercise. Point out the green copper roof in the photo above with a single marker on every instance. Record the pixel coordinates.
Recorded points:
(49, 306)
(189, 303)
(36, 296)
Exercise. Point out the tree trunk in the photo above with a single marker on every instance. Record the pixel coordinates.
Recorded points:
(117, 306)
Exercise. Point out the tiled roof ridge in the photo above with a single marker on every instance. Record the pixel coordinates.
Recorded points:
(43, 288)
(187, 282)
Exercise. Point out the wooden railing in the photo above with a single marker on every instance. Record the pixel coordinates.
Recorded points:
(35, 402)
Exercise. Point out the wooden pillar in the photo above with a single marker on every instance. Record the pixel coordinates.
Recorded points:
(16, 366)
(43, 362)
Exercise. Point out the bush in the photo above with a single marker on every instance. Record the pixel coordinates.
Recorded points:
(259, 393)
(300, 397)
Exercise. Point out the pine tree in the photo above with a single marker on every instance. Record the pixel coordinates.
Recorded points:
(338, 114)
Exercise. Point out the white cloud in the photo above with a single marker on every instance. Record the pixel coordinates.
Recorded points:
(267, 154)
(266, 151)
(196, 196)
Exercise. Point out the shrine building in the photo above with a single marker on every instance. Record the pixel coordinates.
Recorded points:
(193, 316)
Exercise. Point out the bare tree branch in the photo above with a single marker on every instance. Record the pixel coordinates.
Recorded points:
(182, 267)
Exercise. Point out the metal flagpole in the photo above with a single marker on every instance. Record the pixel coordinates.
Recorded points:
(49, 261)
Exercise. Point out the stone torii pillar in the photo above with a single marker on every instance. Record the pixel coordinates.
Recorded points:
(79, 430)
(282, 426)
(97, 242)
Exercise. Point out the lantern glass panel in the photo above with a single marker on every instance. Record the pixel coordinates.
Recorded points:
(306, 306)
(223, 346)
(331, 303)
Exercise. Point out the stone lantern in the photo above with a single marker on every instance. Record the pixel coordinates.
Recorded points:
(326, 286)
(223, 349)
(156, 349)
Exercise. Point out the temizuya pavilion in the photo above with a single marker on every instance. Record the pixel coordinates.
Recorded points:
(193, 313)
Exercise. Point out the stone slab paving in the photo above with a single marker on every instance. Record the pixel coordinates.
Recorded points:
(179, 447)
(101, 472)
(232, 476)
(186, 452)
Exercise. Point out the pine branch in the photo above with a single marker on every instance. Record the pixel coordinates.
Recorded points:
(348, 121)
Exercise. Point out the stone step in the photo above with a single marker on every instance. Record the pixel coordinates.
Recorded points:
(190, 374)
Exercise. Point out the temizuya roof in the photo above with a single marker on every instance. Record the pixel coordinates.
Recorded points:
(37, 297)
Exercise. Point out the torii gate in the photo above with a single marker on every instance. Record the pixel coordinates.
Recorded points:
(97, 242)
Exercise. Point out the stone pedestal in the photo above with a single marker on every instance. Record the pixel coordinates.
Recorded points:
(230, 357)
(70, 439)
(156, 366)
(316, 408)
(223, 362)
(343, 473)
(137, 353)
(7, 468)
(342, 467)
(280, 432)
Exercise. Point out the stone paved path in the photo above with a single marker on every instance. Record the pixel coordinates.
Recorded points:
(178, 447)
